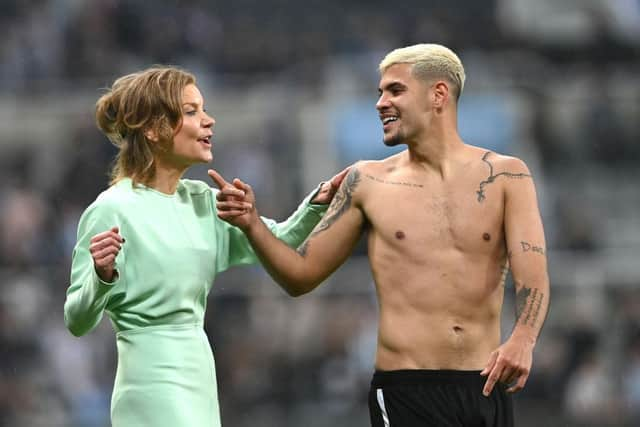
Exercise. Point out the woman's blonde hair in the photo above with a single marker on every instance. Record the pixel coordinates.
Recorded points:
(429, 61)
(149, 100)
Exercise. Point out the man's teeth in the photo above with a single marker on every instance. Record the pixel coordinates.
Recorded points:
(389, 120)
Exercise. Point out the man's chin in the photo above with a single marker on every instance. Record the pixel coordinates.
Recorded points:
(392, 142)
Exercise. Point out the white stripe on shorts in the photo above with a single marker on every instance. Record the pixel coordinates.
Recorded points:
(385, 417)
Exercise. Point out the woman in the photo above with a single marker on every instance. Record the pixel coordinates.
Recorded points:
(154, 284)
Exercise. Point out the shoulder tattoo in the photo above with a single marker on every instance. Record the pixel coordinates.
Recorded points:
(491, 178)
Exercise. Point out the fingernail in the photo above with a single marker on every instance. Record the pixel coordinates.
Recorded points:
(123, 240)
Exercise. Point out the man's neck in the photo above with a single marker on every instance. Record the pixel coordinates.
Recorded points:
(436, 150)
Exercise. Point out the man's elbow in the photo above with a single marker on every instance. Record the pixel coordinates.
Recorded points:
(296, 292)
(298, 289)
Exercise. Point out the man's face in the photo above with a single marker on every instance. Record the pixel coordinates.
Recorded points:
(403, 103)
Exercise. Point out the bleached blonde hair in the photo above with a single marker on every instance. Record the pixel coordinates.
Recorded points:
(429, 61)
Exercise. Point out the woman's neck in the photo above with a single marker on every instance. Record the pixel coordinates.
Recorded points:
(166, 179)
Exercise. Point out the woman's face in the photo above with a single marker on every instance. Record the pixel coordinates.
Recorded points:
(192, 139)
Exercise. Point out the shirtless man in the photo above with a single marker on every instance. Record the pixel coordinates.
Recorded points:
(445, 221)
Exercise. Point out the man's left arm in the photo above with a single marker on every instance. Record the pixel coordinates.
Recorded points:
(524, 234)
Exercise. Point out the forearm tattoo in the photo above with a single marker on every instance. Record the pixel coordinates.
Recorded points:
(341, 202)
(528, 304)
(492, 177)
(528, 247)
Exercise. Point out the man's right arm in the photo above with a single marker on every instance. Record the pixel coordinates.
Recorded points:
(327, 247)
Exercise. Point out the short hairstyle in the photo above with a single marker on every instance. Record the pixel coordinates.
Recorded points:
(429, 61)
(136, 103)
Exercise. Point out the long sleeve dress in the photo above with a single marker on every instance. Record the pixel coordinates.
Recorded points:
(175, 245)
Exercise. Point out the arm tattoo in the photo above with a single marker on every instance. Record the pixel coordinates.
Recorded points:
(528, 247)
(528, 304)
(341, 202)
(504, 271)
(302, 249)
(492, 177)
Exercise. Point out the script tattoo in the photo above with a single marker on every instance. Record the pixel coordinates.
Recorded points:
(339, 205)
(504, 271)
(528, 304)
(528, 247)
(383, 181)
(492, 177)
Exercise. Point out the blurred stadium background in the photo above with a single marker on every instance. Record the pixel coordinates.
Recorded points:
(293, 86)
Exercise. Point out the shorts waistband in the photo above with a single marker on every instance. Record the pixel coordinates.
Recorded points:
(425, 376)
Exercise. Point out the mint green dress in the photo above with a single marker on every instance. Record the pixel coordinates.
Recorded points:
(175, 245)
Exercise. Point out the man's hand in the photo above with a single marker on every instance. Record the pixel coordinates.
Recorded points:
(509, 363)
(235, 202)
(104, 248)
(329, 188)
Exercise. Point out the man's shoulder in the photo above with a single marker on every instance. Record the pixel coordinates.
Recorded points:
(509, 163)
(385, 164)
(501, 161)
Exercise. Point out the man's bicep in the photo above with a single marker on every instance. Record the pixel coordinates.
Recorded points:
(332, 240)
(524, 230)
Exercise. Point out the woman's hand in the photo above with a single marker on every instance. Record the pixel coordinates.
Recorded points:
(104, 248)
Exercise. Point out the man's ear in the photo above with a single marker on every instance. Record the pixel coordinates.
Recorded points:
(440, 94)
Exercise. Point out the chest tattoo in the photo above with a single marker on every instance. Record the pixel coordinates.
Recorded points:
(402, 183)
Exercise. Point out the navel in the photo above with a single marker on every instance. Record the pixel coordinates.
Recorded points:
(400, 235)
(486, 237)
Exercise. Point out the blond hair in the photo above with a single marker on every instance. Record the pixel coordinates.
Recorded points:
(149, 100)
(429, 61)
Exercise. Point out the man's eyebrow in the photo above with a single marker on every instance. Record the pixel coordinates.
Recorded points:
(391, 86)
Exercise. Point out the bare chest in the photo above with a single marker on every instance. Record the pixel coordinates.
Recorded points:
(446, 216)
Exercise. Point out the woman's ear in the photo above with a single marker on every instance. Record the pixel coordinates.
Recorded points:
(151, 135)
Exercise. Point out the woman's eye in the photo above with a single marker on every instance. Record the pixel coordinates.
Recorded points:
(190, 113)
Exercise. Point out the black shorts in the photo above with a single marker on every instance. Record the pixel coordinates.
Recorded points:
(437, 398)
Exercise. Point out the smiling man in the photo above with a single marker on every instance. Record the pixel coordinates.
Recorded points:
(446, 221)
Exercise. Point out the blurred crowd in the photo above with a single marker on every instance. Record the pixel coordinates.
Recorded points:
(556, 82)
